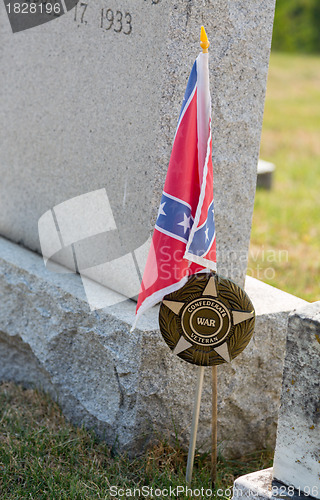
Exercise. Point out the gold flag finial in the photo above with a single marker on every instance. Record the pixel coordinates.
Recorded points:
(204, 42)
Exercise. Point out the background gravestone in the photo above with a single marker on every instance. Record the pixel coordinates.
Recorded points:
(91, 100)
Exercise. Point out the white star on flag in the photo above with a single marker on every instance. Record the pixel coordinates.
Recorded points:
(206, 233)
(185, 223)
(161, 211)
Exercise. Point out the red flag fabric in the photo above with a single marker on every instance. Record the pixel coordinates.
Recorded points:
(184, 240)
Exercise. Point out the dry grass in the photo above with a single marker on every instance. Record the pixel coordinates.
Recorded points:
(44, 457)
(287, 218)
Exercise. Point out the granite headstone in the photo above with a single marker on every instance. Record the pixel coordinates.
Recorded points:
(90, 103)
(89, 107)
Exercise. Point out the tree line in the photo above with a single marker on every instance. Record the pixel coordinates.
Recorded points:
(297, 26)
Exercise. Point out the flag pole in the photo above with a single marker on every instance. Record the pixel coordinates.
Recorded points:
(194, 425)
(204, 43)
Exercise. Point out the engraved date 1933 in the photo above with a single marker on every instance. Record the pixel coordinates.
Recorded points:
(115, 20)
(111, 20)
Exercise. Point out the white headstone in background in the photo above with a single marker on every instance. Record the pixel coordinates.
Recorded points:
(90, 102)
(297, 455)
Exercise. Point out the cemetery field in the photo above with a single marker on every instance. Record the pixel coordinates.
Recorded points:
(44, 457)
(285, 238)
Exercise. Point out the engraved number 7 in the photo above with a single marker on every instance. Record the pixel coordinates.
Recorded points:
(85, 5)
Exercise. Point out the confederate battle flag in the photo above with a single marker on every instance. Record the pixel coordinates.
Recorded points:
(184, 240)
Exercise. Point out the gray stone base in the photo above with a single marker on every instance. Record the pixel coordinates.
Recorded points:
(128, 386)
(260, 486)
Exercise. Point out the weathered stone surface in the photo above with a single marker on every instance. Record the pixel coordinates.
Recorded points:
(255, 485)
(128, 386)
(260, 486)
(84, 108)
(297, 455)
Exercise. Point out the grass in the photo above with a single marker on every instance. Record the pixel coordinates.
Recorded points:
(285, 239)
(44, 457)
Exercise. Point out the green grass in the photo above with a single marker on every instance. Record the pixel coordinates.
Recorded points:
(44, 457)
(285, 237)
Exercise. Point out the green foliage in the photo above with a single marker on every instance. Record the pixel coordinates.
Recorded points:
(297, 26)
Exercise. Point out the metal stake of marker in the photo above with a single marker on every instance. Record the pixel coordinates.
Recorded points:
(214, 426)
(194, 425)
